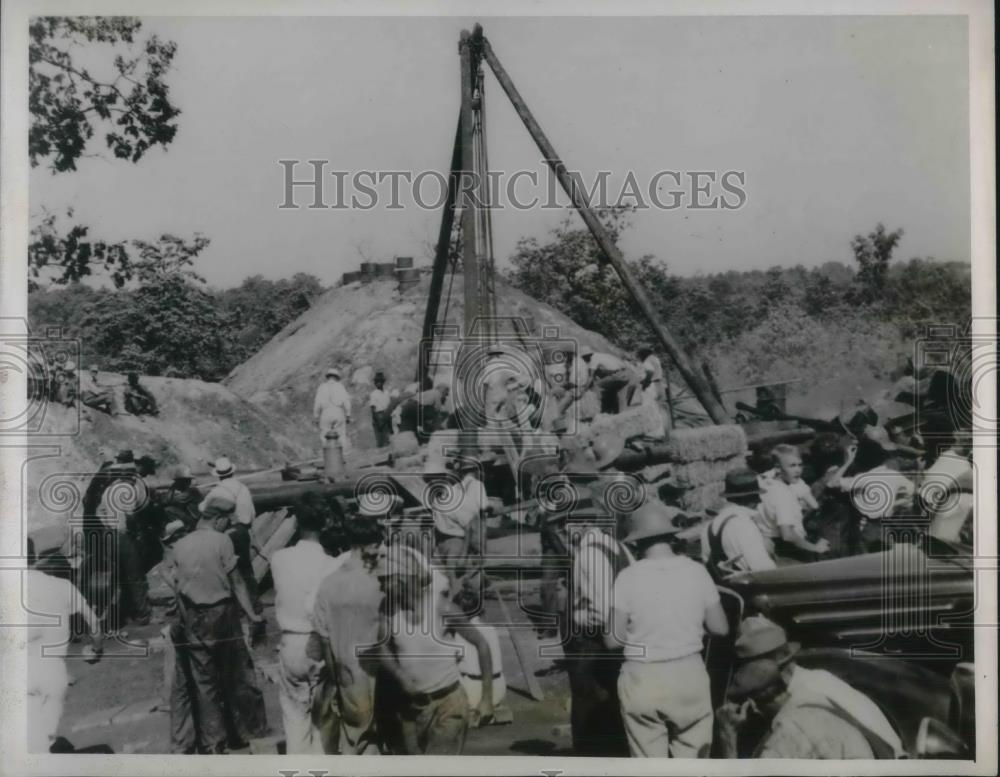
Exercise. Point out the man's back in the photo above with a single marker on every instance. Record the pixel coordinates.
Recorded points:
(736, 533)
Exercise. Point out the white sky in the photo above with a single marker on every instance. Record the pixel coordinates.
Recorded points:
(838, 122)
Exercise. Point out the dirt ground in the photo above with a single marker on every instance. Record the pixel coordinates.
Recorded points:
(118, 701)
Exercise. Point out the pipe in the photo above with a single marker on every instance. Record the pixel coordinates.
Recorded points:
(697, 383)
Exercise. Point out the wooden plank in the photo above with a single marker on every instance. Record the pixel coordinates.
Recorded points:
(524, 653)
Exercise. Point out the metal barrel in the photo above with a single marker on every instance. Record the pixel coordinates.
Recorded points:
(385, 269)
(350, 277)
(404, 262)
(367, 268)
(407, 278)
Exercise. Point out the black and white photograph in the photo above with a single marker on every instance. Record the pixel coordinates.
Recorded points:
(574, 385)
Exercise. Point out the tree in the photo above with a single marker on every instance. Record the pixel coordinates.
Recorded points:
(66, 100)
(129, 102)
(873, 253)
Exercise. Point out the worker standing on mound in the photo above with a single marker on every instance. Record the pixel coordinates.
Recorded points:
(332, 408)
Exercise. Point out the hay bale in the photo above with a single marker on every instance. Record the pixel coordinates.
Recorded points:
(702, 498)
(637, 421)
(707, 443)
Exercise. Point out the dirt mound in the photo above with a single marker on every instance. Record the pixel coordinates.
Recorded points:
(197, 422)
(363, 327)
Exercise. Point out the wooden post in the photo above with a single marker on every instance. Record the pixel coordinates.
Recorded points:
(440, 258)
(696, 382)
(470, 260)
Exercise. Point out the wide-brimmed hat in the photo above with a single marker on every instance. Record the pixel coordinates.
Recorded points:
(182, 472)
(761, 637)
(607, 448)
(653, 519)
(223, 467)
(333, 372)
(217, 506)
(741, 483)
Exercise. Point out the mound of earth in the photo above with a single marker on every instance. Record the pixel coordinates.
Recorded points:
(197, 422)
(364, 327)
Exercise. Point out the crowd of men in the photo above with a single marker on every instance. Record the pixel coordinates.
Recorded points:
(383, 645)
(71, 387)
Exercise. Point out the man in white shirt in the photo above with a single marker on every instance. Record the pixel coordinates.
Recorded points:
(458, 531)
(652, 376)
(947, 490)
(732, 541)
(611, 377)
(332, 408)
(239, 531)
(298, 571)
(52, 602)
(379, 401)
(666, 701)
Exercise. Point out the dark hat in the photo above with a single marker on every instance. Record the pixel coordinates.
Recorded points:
(753, 677)
(379, 376)
(741, 483)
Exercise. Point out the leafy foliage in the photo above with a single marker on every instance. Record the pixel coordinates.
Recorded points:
(67, 101)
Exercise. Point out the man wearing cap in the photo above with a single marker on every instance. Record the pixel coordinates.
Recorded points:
(422, 655)
(732, 541)
(378, 401)
(810, 713)
(345, 618)
(298, 571)
(664, 688)
(332, 408)
(212, 663)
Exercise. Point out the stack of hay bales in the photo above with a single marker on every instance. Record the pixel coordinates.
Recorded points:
(701, 458)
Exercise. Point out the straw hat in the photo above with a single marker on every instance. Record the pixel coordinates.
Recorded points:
(653, 519)
(223, 467)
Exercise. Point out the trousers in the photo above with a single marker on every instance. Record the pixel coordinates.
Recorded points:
(667, 708)
(214, 696)
(436, 727)
(300, 679)
(48, 681)
(595, 716)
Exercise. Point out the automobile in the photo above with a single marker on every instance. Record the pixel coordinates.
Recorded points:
(896, 625)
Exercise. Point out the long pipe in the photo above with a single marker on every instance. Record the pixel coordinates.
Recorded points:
(697, 383)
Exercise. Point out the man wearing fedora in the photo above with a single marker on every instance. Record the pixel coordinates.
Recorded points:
(732, 541)
(808, 713)
(586, 530)
(332, 408)
(664, 688)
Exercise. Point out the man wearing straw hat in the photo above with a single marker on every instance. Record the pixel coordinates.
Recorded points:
(666, 701)
(810, 713)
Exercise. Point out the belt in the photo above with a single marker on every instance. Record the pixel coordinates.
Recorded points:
(422, 699)
(198, 606)
(496, 676)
